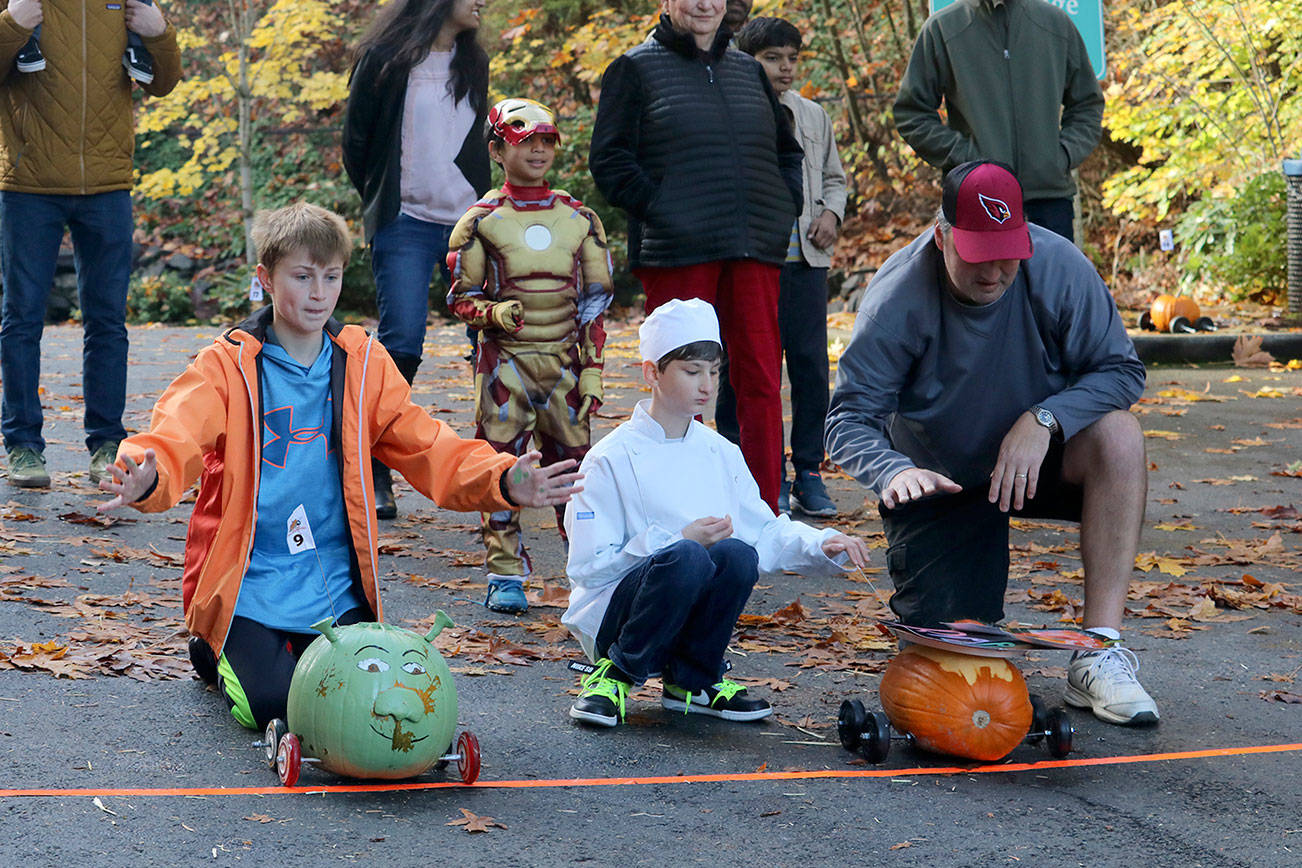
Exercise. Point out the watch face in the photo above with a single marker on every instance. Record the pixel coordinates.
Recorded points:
(1044, 417)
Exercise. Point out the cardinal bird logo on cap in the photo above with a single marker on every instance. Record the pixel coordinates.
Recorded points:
(997, 208)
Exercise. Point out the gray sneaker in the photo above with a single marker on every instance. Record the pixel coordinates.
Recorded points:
(100, 460)
(27, 468)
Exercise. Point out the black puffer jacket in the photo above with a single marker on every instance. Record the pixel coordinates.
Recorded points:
(696, 148)
(373, 143)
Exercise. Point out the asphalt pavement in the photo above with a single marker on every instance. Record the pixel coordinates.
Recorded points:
(124, 759)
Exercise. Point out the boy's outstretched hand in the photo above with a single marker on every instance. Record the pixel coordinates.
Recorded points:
(855, 549)
(129, 484)
(531, 485)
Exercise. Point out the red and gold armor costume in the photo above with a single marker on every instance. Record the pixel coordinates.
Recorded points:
(531, 271)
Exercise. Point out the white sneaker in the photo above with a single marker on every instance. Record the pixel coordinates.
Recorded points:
(1104, 682)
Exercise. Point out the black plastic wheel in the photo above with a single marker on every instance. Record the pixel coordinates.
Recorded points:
(875, 743)
(1181, 326)
(1146, 322)
(850, 723)
(1059, 733)
(271, 737)
(1039, 720)
(1205, 324)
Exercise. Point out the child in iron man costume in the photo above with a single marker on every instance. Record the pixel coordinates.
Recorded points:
(531, 271)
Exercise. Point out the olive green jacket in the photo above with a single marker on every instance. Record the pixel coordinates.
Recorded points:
(1023, 94)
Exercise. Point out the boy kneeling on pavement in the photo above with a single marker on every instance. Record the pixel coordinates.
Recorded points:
(669, 535)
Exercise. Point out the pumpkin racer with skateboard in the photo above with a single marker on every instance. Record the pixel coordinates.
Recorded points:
(990, 376)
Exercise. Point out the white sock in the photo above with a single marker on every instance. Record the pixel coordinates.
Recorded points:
(1104, 632)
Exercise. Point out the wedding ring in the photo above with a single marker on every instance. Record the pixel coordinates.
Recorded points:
(1019, 475)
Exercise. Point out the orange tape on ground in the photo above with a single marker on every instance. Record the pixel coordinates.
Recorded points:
(412, 786)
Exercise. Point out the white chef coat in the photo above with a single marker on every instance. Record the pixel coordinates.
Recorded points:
(641, 488)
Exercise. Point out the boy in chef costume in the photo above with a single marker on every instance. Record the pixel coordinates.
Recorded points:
(669, 535)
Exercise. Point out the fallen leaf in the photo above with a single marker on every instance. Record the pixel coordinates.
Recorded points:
(260, 818)
(1282, 696)
(1247, 353)
(475, 823)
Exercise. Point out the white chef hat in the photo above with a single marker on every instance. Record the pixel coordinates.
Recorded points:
(675, 324)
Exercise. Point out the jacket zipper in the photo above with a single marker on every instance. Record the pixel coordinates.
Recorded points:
(81, 156)
(367, 508)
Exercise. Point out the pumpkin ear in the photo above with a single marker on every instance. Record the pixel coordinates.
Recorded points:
(441, 620)
(323, 627)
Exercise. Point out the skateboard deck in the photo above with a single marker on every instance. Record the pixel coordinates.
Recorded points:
(988, 640)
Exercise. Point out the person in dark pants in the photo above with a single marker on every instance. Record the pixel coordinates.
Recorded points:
(802, 284)
(989, 375)
(414, 149)
(1017, 86)
(669, 535)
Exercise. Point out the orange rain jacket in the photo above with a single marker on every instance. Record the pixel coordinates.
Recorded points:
(205, 427)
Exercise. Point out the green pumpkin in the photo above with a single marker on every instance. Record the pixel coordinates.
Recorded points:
(373, 700)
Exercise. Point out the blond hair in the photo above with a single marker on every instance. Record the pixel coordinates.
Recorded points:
(322, 233)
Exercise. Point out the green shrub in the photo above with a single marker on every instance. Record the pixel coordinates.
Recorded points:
(1239, 243)
(159, 298)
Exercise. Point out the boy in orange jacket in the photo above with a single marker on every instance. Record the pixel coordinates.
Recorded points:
(278, 420)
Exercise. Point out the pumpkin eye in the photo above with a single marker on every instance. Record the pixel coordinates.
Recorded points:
(413, 668)
(372, 664)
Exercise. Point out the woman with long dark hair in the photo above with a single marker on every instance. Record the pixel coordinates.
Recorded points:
(415, 151)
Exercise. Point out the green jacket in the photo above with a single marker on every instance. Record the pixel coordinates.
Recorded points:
(1023, 94)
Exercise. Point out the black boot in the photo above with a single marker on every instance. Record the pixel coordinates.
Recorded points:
(203, 660)
(385, 506)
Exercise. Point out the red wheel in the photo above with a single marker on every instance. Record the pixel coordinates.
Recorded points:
(468, 750)
(289, 757)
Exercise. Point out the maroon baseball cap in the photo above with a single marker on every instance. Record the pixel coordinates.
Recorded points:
(982, 200)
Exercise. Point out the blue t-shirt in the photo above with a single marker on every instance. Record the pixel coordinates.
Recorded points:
(289, 585)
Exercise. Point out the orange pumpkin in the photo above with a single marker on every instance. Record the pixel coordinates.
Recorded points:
(1166, 308)
(959, 704)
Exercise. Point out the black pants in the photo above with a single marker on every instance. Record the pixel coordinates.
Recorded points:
(802, 321)
(263, 661)
(948, 556)
(674, 614)
(1056, 215)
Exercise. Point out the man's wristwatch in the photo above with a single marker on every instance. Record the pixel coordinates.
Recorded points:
(1047, 419)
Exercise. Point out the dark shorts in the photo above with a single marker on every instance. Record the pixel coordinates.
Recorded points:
(948, 556)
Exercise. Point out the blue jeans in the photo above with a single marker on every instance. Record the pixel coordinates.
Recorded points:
(31, 228)
(674, 613)
(404, 256)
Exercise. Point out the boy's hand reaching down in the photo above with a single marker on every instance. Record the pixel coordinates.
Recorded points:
(131, 483)
(531, 485)
(855, 549)
(709, 530)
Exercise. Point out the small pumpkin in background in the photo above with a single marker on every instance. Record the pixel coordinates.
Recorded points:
(959, 704)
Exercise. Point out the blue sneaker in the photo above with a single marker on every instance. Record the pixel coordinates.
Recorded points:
(809, 495)
(506, 594)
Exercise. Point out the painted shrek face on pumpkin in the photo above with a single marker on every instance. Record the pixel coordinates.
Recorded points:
(374, 700)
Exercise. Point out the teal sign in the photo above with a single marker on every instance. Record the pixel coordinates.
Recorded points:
(1087, 15)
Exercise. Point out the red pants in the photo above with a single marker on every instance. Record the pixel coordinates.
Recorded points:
(745, 296)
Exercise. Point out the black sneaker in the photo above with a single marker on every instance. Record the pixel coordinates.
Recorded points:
(29, 57)
(726, 699)
(809, 495)
(602, 698)
(385, 505)
(203, 660)
(139, 64)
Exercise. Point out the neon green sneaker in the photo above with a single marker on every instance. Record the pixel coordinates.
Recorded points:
(601, 700)
(726, 699)
(100, 460)
(27, 468)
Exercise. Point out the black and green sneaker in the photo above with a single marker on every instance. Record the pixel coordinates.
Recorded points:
(726, 699)
(601, 700)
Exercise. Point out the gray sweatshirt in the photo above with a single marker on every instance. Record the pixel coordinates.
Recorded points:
(929, 382)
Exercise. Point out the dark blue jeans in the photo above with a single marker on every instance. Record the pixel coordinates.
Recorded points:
(405, 254)
(31, 228)
(1057, 215)
(674, 614)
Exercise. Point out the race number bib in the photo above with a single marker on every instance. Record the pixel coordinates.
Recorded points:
(298, 535)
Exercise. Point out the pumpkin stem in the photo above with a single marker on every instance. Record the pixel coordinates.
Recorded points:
(325, 629)
(441, 620)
